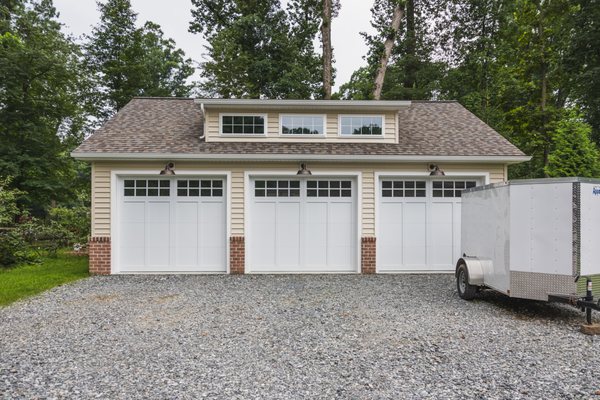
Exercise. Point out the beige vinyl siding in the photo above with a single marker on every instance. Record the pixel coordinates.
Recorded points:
(212, 128)
(101, 185)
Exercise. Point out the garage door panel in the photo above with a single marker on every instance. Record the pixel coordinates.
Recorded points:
(339, 257)
(442, 234)
(134, 212)
(263, 234)
(415, 234)
(287, 241)
(316, 234)
(389, 252)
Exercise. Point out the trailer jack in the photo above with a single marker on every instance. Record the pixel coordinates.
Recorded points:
(586, 304)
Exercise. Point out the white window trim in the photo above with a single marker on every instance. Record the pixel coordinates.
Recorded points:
(238, 135)
(412, 174)
(320, 136)
(249, 175)
(117, 175)
(382, 116)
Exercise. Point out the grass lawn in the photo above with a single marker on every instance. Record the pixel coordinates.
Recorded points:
(28, 280)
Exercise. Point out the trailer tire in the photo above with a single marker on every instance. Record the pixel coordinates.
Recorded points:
(465, 290)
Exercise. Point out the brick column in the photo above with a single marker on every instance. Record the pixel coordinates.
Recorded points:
(99, 251)
(368, 255)
(237, 255)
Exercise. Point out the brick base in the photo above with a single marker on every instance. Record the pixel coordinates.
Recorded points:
(368, 255)
(99, 251)
(237, 255)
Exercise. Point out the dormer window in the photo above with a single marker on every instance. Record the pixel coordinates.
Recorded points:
(361, 125)
(302, 124)
(243, 124)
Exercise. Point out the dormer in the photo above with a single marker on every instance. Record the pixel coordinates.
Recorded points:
(332, 121)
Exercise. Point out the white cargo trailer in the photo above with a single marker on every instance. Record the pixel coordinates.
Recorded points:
(531, 239)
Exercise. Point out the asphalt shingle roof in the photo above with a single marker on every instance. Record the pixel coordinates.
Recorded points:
(170, 125)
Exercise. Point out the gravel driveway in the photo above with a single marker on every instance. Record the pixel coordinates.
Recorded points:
(261, 337)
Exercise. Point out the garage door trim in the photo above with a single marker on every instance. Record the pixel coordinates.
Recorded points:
(117, 175)
(379, 175)
(250, 175)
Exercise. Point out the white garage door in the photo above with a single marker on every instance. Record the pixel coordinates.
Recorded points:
(419, 223)
(171, 225)
(299, 225)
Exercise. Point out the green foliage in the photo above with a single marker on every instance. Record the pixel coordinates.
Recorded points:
(28, 280)
(41, 116)
(13, 248)
(44, 237)
(126, 61)
(574, 153)
(75, 220)
(9, 211)
(583, 60)
(257, 50)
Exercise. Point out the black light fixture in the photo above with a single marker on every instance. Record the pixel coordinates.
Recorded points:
(168, 169)
(436, 170)
(303, 170)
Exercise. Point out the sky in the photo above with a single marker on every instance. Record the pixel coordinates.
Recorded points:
(174, 16)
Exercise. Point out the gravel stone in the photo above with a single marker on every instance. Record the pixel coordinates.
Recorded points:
(291, 337)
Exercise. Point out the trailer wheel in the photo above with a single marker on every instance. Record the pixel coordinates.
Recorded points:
(465, 290)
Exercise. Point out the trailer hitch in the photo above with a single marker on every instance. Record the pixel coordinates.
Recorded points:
(586, 304)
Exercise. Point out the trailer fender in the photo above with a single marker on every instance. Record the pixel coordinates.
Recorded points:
(475, 267)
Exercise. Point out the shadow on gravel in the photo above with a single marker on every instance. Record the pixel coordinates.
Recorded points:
(532, 309)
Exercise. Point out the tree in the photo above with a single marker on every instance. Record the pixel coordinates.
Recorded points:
(583, 61)
(257, 50)
(402, 64)
(127, 61)
(389, 31)
(40, 103)
(574, 153)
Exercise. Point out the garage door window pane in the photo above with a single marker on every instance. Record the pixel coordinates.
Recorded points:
(145, 187)
(329, 188)
(451, 188)
(404, 188)
(277, 188)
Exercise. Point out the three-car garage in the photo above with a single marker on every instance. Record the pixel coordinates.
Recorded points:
(292, 224)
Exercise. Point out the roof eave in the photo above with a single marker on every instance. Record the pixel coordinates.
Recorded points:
(492, 159)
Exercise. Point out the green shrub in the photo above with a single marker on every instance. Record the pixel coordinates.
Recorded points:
(13, 248)
(43, 236)
(8, 202)
(76, 220)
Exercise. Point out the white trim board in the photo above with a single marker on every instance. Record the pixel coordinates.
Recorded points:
(299, 157)
(248, 175)
(378, 175)
(114, 209)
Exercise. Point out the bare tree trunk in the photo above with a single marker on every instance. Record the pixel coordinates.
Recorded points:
(327, 50)
(388, 45)
(410, 78)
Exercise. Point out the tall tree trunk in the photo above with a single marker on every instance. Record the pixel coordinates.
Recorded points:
(327, 50)
(387, 46)
(410, 77)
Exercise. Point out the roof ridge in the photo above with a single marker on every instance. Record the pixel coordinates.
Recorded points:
(434, 101)
(162, 98)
